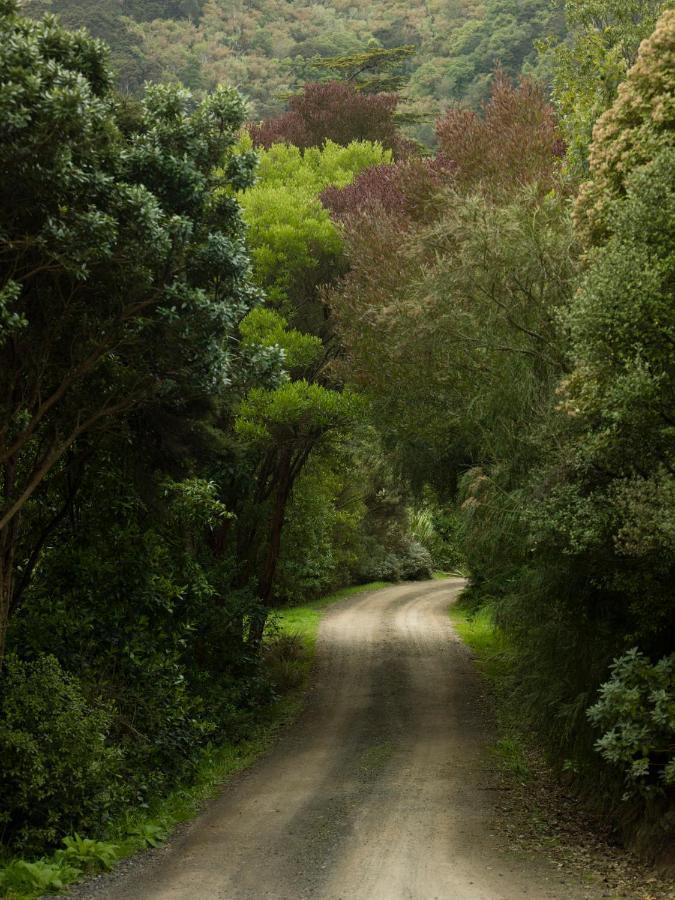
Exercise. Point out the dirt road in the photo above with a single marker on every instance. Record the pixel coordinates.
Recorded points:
(383, 789)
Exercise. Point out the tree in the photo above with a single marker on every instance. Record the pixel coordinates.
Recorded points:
(616, 495)
(374, 71)
(116, 259)
(596, 565)
(588, 67)
(288, 424)
(632, 133)
(332, 111)
(295, 246)
(513, 141)
(409, 189)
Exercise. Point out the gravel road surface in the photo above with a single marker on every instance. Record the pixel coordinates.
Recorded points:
(382, 790)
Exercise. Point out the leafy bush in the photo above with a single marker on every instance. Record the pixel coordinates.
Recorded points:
(88, 853)
(410, 561)
(58, 771)
(636, 710)
(439, 529)
(41, 877)
(415, 562)
(376, 563)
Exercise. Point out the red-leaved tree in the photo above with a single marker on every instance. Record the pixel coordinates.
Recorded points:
(336, 111)
(408, 190)
(513, 141)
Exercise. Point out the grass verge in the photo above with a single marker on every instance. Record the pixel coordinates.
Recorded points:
(139, 829)
(304, 620)
(538, 815)
(494, 655)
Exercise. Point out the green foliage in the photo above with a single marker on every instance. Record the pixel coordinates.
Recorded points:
(194, 501)
(438, 528)
(129, 277)
(322, 532)
(435, 51)
(377, 69)
(632, 133)
(33, 879)
(590, 65)
(264, 327)
(294, 244)
(587, 572)
(636, 712)
(89, 854)
(415, 563)
(489, 277)
(58, 766)
(297, 410)
(401, 559)
(614, 494)
(148, 834)
(285, 658)
(505, 35)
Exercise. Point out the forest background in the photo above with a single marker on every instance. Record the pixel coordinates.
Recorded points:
(410, 310)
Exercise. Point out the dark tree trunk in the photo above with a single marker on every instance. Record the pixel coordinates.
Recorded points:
(284, 483)
(9, 534)
(8, 539)
(5, 601)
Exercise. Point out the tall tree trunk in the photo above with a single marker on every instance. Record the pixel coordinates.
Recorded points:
(8, 540)
(5, 602)
(284, 483)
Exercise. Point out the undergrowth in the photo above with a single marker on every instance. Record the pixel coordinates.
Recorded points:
(542, 810)
(289, 653)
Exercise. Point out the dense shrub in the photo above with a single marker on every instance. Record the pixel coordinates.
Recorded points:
(415, 562)
(438, 528)
(588, 572)
(409, 561)
(59, 772)
(376, 564)
(636, 712)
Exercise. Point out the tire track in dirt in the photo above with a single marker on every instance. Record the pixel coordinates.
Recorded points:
(382, 790)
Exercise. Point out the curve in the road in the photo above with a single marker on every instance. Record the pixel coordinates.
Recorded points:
(383, 789)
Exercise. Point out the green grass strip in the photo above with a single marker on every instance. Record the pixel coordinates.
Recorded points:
(493, 655)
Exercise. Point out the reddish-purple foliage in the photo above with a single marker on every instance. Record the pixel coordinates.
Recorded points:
(515, 141)
(332, 110)
(406, 189)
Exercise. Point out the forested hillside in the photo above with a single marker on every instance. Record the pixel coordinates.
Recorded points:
(268, 48)
(250, 357)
